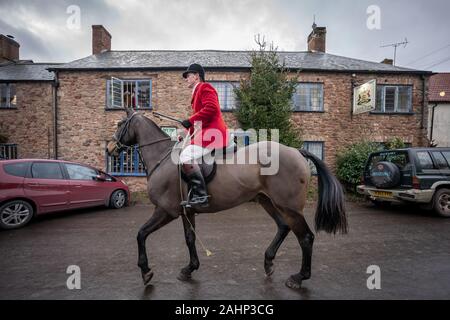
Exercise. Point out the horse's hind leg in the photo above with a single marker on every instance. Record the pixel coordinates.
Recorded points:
(189, 234)
(305, 237)
(159, 219)
(282, 232)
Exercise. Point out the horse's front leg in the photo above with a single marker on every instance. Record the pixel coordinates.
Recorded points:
(189, 234)
(159, 219)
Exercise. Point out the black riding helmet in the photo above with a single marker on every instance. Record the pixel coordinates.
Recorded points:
(195, 68)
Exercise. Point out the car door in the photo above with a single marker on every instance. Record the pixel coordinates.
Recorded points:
(85, 189)
(46, 185)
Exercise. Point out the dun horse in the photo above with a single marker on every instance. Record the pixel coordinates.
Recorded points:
(282, 195)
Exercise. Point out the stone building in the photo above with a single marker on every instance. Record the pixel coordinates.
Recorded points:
(85, 113)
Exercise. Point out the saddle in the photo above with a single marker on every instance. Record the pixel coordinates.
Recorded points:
(209, 169)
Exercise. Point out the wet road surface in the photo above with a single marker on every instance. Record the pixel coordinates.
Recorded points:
(410, 246)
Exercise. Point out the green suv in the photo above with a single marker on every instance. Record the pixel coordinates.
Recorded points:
(418, 175)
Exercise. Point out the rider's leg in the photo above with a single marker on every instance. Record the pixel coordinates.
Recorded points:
(192, 170)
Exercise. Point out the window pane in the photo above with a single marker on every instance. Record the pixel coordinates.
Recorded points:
(129, 94)
(389, 99)
(77, 172)
(143, 93)
(315, 148)
(379, 100)
(3, 101)
(12, 95)
(404, 99)
(226, 95)
(46, 170)
(127, 163)
(425, 160)
(308, 97)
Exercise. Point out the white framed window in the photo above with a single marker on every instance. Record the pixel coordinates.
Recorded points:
(308, 97)
(393, 99)
(8, 98)
(225, 91)
(316, 148)
(136, 94)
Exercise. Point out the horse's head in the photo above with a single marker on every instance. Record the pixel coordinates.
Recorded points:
(125, 134)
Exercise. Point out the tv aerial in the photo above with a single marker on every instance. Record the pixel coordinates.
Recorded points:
(395, 45)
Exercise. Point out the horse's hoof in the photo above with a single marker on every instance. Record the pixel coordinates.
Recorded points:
(293, 284)
(146, 277)
(184, 276)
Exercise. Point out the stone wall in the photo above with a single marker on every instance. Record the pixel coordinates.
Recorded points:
(30, 125)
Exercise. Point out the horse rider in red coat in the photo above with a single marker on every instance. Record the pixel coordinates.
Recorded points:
(212, 133)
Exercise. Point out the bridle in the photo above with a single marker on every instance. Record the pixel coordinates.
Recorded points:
(120, 146)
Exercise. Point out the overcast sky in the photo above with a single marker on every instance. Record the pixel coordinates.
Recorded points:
(48, 30)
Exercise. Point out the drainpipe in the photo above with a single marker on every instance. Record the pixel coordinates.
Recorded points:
(423, 100)
(55, 115)
(432, 122)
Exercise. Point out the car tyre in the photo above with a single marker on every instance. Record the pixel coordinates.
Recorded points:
(118, 199)
(15, 214)
(441, 202)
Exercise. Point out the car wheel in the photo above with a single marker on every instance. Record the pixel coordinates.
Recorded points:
(15, 214)
(118, 199)
(441, 202)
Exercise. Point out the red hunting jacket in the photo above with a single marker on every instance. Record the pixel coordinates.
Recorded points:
(206, 108)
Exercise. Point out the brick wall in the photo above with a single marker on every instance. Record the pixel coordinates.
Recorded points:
(30, 125)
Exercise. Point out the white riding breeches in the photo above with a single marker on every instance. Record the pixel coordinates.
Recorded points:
(194, 153)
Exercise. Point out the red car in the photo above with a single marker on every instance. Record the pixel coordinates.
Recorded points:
(29, 187)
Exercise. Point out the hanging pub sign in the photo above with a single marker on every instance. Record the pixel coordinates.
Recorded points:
(364, 97)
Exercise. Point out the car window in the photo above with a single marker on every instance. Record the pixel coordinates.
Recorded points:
(17, 169)
(77, 172)
(446, 155)
(440, 160)
(46, 170)
(425, 161)
(401, 159)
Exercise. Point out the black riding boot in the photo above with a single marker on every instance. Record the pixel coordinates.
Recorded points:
(197, 185)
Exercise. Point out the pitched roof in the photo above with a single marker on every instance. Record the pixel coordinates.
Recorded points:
(439, 83)
(27, 72)
(215, 59)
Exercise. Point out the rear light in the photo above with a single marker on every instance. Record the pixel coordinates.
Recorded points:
(415, 182)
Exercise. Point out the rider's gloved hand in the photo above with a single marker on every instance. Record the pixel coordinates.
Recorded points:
(186, 123)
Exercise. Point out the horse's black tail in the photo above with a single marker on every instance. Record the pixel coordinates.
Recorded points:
(330, 213)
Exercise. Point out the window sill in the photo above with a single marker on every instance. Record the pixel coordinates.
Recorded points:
(123, 109)
(307, 111)
(117, 174)
(8, 108)
(393, 113)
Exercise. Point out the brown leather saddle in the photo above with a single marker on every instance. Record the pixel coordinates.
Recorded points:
(209, 169)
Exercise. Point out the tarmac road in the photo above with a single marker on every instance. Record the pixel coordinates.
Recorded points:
(410, 246)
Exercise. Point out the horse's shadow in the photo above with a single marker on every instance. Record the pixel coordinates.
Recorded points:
(303, 292)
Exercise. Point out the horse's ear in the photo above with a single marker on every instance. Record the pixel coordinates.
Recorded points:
(129, 111)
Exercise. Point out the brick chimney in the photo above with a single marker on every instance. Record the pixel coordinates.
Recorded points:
(388, 61)
(9, 49)
(101, 39)
(317, 39)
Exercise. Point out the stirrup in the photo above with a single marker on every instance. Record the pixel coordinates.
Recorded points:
(202, 201)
